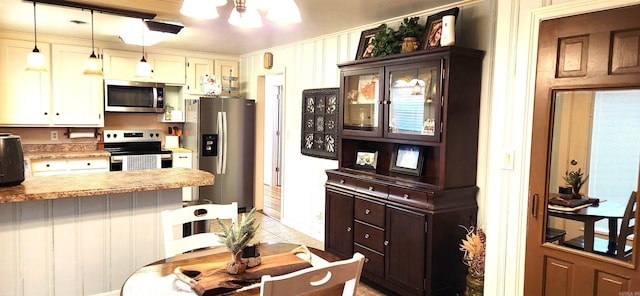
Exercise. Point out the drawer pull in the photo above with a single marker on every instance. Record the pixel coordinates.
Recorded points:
(406, 196)
(348, 228)
(370, 188)
(367, 211)
(366, 259)
(342, 181)
(366, 235)
(386, 243)
(182, 157)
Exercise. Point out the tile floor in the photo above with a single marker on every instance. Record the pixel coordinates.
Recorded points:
(272, 230)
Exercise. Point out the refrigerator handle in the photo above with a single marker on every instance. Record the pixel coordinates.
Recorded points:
(220, 140)
(224, 142)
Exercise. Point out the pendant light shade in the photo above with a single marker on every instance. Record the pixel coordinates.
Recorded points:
(92, 65)
(35, 59)
(243, 16)
(143, 69)
(284, 11)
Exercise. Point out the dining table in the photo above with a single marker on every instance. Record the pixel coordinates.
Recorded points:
(158, 278)
(591, 213)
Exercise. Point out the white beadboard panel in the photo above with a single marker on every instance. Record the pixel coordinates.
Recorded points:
(330, 52)
(80, 246)
(120, 239)
(66, 262)
(35, 248)
(94, 243)
(9, 249)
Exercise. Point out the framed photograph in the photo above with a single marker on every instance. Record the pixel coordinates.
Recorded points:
(366, 160)
(365, 46)
(433, 28)
(407, 159)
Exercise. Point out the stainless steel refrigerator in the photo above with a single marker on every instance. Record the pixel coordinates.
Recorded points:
(221, 132)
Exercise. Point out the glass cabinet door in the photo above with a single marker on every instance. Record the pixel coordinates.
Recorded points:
(414, 102)
(362, 99)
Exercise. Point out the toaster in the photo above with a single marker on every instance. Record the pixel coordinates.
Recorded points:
(11, 160)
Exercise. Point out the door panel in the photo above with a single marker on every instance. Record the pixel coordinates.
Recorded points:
(594, 51)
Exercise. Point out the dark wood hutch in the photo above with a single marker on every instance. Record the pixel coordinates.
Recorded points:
(407, 161)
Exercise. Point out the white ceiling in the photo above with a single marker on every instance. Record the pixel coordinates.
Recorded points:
(319, 17)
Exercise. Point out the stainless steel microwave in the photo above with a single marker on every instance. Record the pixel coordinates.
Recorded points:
(133, 96)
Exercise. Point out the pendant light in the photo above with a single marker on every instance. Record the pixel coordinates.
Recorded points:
(35, 59)
(243, 16)
(92, 65)
(143, 69)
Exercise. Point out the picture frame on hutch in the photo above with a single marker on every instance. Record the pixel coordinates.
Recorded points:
(367, 160)
(365, 46)
(433, 28)
(407, 159)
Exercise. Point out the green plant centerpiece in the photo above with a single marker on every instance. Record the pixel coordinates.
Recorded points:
(474, 248)
(409, 31)
(575, 179)
(388, 41)
(236, 237)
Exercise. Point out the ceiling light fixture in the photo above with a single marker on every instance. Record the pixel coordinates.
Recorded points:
(92, 65)
(143, 69)
(245, 12)
(35, 59)
(153, 31)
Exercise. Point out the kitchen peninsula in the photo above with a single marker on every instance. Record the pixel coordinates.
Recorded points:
(83, 234)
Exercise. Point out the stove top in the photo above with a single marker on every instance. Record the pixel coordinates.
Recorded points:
(133, 142)
(128, 136)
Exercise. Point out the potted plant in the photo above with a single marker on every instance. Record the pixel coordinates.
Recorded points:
(574, 178)
(385, 42)
(236, 237)
(474, 247)
(409, 32)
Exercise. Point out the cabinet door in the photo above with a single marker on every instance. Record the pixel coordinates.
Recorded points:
(24, 95)
(415, 102)
(405, 249)
(120, 65)
(77, 98)
(339, 224)
(195, 69)
(168, 68)
(226, 68)
(362, 99)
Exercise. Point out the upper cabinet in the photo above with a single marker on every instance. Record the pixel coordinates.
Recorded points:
(197, 67)
(62, 96)
(121, 65)
(24, 95)
(77, 98)
(426, 101)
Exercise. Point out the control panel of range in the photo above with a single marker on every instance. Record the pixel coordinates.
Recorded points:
(115, 136)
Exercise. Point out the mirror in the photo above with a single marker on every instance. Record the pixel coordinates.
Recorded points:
(595, 162)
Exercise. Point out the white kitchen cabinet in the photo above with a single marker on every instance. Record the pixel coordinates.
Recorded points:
(183, 158)
(121, 65)
(24, 95)
(76, 98)
(196, 67)
(50, 167)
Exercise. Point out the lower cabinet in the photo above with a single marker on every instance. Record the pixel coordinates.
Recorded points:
(69, 166)
(411, 246)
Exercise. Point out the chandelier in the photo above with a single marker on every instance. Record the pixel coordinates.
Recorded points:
(245, 12)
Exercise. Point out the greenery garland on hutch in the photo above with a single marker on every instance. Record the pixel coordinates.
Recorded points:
(406, 171)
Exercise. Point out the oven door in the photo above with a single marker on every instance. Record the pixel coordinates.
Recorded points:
(136, 162)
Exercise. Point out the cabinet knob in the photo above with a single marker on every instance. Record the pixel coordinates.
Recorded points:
(46, 113)
(88, 164)
(366, 259)
(366, 235)
(406, 196)
(370, 188)
(386, 243)
(367, 211)
(348, 228)
(48, 165)
(341, 181)
(57, 113)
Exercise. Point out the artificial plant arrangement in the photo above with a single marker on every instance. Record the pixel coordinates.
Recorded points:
(236, 237)
(575, 179)
(474, 246)
(387, 41)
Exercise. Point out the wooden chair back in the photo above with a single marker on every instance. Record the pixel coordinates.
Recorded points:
(175, 243)
(315, 279)
(626, 227)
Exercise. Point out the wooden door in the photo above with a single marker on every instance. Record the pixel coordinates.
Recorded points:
(339, 223)
(594, 51)
(405, 249)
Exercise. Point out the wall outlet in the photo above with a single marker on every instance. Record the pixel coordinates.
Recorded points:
(54, 135)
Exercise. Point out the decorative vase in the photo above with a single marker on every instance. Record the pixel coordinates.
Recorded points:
(236, 266)
(409, 44)
(475, 285)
